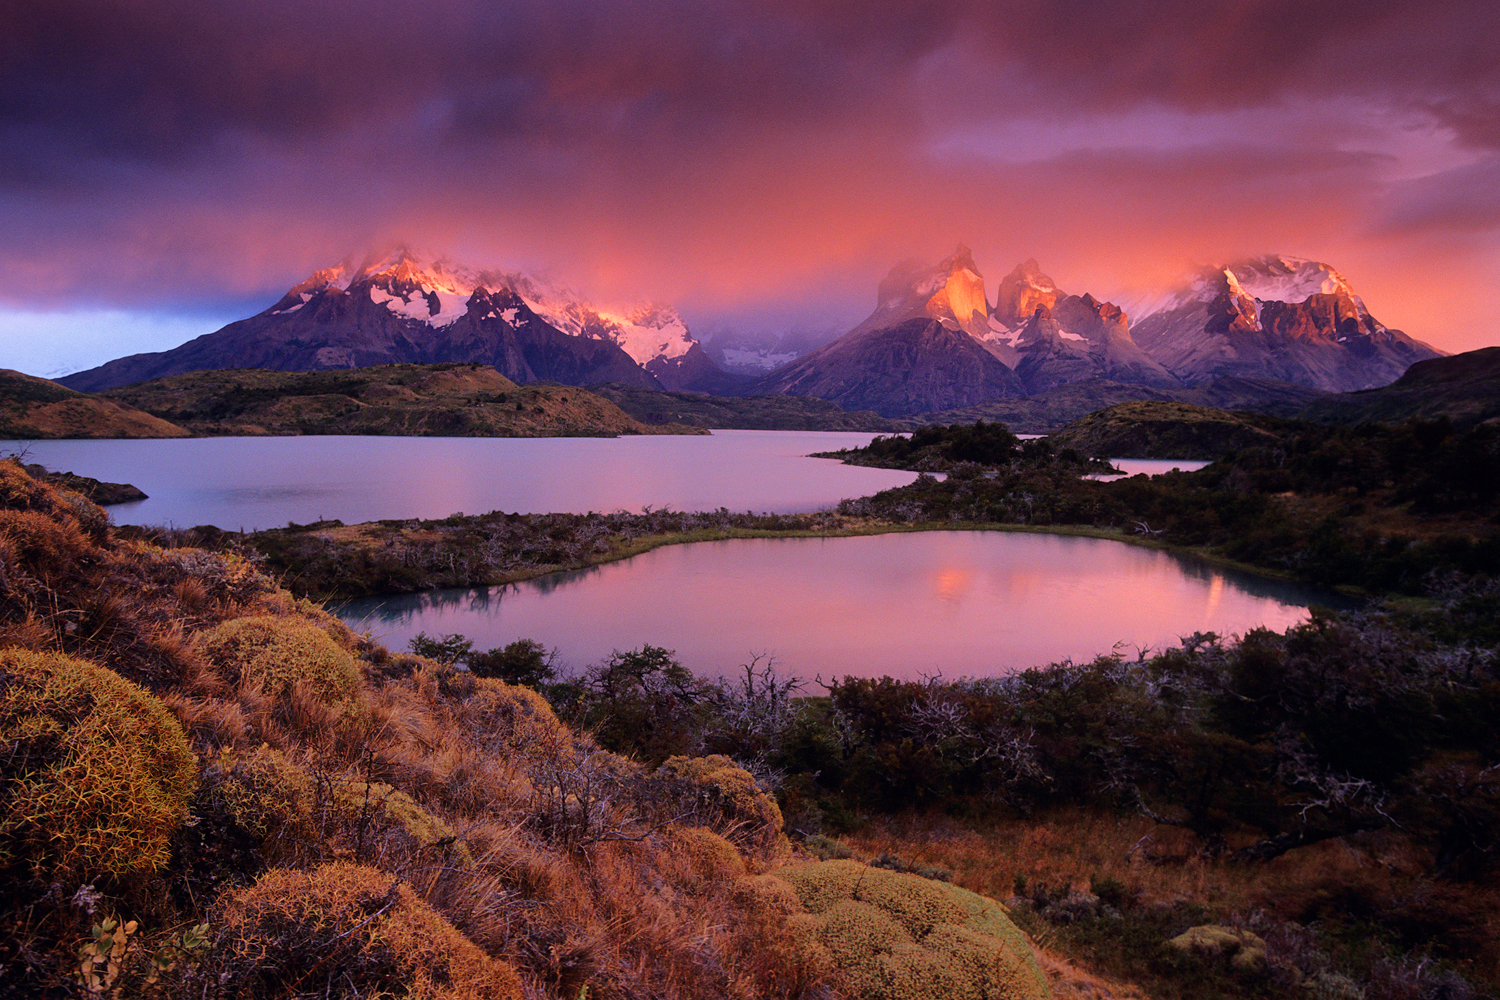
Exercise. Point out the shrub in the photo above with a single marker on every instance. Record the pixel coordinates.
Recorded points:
(503, 717)
(524, 661)
(901, 937)
(275, 653)
(381, 814)
(348, 930)
(265, 792)
(96, 773)
(727, 792)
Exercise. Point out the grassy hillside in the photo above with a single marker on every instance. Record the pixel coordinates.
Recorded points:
(770, 413)
(1164, 430)
(447, 400)
(35, 409)
(1464, 388)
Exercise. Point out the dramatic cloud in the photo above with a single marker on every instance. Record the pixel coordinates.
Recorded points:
(746, 159)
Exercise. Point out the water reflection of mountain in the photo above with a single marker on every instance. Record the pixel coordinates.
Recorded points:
(1285, 591)
(961, 602)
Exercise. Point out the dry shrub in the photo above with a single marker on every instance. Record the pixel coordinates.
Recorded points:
(97, 773)
(19, 491)
(1068, 981)
(729, 798)
(264, 792)
(505, 718)
(347, 930)
(42, 546)
(388, 823)
(275, 653)
(899, 937)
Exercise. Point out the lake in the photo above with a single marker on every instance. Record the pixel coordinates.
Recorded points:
(906, 605)
(253, 483)
(899, 604)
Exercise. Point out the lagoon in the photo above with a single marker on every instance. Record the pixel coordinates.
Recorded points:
(975, 603)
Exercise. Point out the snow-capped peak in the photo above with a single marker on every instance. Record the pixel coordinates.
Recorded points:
(437, 291)
(1281, 278)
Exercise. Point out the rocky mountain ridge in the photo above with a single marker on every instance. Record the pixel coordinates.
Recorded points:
(1280, 318)
(403, 308)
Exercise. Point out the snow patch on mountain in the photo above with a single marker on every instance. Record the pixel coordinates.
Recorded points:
(1288, 279)
(740, 358)
(438, 292)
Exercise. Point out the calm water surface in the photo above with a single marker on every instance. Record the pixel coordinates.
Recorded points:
(959, 603)
(253, 483)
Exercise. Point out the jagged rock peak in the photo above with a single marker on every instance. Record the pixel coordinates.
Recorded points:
(438, 291)
(951, 292)
(1021, 291)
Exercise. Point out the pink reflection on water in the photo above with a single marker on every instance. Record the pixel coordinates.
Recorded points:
(958, 603)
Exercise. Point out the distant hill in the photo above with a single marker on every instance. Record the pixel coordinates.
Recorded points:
(444, 400)
(770, 413)
(1465, 388)
(1054, 409)
(36, 409)
(1163, 429)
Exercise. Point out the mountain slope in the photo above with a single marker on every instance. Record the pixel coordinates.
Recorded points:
(913, 367)
(34, 408)
(1464, 388)
(402, 309)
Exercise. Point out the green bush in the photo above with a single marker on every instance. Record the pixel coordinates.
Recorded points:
(95, 774)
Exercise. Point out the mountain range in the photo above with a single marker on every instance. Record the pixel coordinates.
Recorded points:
(1279, 318)
(934, 341)
(401, 308)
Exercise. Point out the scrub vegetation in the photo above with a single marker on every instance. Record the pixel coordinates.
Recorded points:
(1312, 813)
(209, 788)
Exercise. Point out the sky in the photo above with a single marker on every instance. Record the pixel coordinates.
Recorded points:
(169, 166)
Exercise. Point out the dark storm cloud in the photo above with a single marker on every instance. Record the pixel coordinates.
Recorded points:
(162, 79)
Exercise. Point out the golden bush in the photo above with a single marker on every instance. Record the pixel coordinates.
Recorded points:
(19, 491)
(275, 653)
(264, 791)
(349, 930)
(747, 813)
(389, 813)
(503, 717)
(41, 545)
(895, 936)
(96, 772)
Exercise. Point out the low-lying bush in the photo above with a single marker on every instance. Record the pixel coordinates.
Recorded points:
(96, 773)
(901, 937)
(273, 654)
(348, 930)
